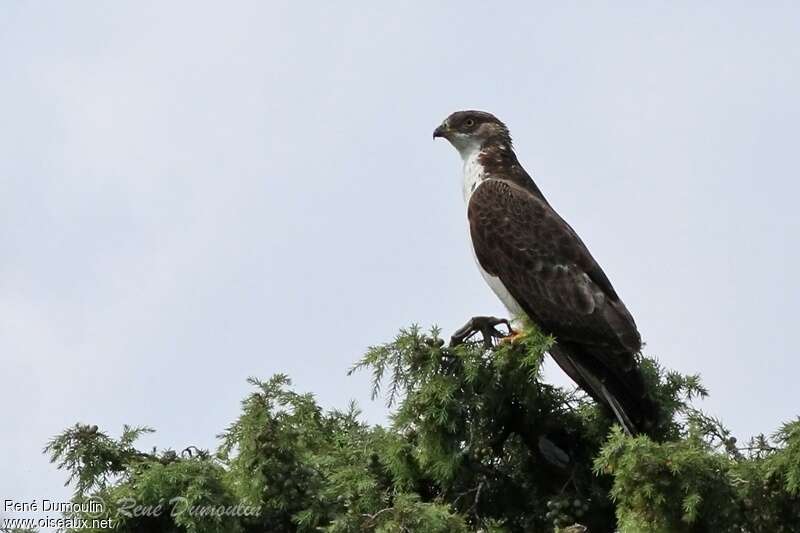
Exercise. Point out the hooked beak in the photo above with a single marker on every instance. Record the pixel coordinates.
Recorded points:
(441, 131)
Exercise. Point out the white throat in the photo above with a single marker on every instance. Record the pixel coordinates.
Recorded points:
(474, 172)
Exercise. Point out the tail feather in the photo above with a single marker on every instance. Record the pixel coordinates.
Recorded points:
(620, 388)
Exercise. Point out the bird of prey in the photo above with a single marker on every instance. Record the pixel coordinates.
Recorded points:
(538, 267)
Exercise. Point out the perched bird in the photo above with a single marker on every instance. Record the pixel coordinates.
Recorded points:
(539, 267)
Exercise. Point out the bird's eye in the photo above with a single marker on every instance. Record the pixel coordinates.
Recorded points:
(469, 123)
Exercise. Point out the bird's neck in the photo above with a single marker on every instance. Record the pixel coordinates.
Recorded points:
(481, 161)
(494, 160)
(474, 173)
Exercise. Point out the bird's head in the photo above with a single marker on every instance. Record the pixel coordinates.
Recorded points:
(469, 131)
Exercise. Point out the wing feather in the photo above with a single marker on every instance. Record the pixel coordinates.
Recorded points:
(543, 263)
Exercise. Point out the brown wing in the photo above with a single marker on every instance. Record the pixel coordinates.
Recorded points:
(543, 263)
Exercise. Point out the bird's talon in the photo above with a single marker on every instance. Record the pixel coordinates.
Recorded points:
(486, 326)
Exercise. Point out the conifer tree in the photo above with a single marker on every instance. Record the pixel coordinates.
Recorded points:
(476, 442)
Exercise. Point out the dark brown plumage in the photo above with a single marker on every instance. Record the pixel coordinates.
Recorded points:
(540, 260)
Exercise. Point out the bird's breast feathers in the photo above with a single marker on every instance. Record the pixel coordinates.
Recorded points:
(474, 173)
(500, 290)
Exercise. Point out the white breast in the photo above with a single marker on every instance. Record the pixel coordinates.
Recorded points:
(514, 309)
(474, 174)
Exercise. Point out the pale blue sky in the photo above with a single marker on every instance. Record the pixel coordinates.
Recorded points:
(192, 193)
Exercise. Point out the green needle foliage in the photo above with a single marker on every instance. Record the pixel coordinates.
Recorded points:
(476, 442)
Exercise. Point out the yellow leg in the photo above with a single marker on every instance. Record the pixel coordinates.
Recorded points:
(514, 336)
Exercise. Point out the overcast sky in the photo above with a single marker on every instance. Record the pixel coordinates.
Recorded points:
(193, 194)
